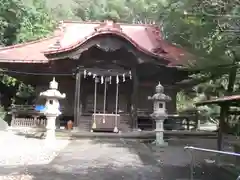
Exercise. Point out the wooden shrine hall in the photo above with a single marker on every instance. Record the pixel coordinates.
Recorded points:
(106, 69)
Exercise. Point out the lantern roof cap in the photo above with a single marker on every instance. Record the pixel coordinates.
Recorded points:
(159, 95)
(53, 91)
(53, 84)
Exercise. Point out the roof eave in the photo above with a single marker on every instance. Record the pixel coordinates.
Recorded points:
(24, 61)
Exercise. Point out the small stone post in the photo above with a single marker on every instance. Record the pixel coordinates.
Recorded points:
(52, 96)
(159, 113)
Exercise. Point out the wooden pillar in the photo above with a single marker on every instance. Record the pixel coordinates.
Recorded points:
(223, 114)
(134, 99)
(77, 100)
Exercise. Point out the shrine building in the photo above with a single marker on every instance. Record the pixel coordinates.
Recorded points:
(106, 69)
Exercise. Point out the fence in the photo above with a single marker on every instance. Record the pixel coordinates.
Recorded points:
(28, 122)
(172, 122)
(27, 116)
(217, 161)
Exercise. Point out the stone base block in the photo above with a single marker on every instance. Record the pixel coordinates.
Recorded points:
(163, 144)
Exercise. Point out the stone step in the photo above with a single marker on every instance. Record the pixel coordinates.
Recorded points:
(85, 125)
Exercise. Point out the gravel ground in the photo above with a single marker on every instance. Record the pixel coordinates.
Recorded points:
(175, 159)
(98, 159)
(19, 151)
(101, 160)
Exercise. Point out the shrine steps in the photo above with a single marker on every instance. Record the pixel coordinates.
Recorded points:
(124, 125)
(143, 135)
(85, 124)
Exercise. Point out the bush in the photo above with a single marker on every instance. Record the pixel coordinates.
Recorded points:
(2, 113)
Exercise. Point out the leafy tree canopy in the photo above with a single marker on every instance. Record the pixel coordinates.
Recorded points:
(22, 21)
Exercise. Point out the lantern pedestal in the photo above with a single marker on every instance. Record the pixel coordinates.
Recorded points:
(159, 134)
(159, 117)
(51, 126)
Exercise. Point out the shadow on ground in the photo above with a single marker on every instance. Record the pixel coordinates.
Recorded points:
(112, 159)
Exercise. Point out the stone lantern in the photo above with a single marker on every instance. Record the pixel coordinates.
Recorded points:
(159, 112)
(51, 110)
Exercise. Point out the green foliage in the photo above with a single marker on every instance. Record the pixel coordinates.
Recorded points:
(25, 91)
(206, 28)
(131, 11)
(11, 12)
(184, 102)
(20, 22)
(2, 113)
(8, 80)
(209, 29)
(59, 12)
(36, 23)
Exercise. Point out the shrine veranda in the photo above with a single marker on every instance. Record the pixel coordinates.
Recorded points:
(107, 72)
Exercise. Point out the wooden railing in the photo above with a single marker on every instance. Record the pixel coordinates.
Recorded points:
(27, 116)
(28, 122)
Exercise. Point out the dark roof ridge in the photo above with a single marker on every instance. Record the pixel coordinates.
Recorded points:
(98, 22)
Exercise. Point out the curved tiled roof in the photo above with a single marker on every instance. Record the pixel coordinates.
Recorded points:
(30, 52)
(146, 38)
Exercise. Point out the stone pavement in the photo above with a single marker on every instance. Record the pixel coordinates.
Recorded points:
(102, 159)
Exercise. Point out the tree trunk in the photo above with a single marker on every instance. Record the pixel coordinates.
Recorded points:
(232, 75)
